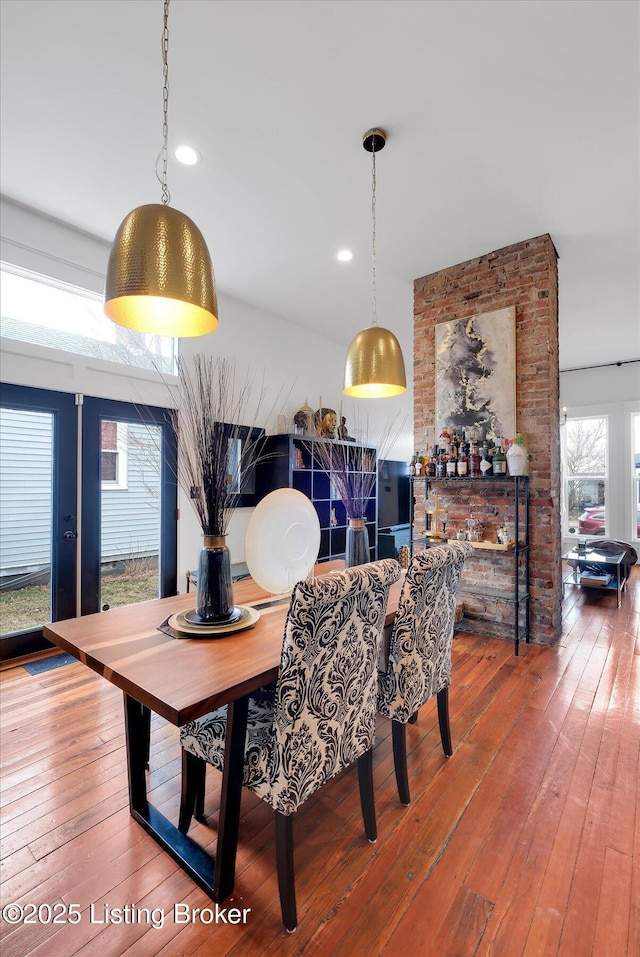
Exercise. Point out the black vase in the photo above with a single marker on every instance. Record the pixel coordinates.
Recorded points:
(214, 590)
(357, 550)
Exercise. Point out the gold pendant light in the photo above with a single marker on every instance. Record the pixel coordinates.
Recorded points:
(160, 278)
(374, 367)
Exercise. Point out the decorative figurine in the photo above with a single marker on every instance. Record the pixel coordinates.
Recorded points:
(343, 433)
(304, 419)
(326, 421)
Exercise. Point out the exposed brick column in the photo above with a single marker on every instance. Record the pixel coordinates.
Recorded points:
(524, 275)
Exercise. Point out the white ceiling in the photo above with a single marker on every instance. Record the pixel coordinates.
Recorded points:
(505, 120)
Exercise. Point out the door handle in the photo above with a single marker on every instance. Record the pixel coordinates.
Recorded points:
(69, 534)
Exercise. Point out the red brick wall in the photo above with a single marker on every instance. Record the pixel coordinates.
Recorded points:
(524, 275)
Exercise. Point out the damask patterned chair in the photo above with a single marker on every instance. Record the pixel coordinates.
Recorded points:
(321, 716)
(419, 660)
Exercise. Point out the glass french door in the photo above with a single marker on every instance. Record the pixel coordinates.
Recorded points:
(38, 527)
(129, 501)
(125, 525)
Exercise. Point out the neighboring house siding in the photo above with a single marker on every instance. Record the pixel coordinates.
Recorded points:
(26, 440)
(130, 516)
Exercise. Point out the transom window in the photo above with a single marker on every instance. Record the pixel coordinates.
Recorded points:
(39, 310)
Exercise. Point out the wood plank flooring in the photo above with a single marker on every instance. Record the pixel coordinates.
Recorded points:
(525, 842)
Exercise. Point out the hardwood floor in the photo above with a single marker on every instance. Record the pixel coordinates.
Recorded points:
(525, 842)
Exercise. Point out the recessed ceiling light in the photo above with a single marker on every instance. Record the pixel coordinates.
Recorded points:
(345, 255)
(187, 155)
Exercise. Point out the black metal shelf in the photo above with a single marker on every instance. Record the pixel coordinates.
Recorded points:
(518, 555)
(498, 594)
(278, 469)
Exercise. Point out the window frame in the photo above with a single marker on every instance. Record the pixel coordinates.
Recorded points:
(94, 410)
(120, 355)
(62, 406)
(634, 462)
(121, 456)
(595, 477)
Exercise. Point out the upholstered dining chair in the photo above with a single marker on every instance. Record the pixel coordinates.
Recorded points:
(321, 716)
(419, 659)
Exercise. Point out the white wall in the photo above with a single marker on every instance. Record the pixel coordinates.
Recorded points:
(297, 364)
(613, 391)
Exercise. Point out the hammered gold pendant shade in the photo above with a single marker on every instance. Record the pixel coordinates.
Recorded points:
(374, 368)
(160, 278)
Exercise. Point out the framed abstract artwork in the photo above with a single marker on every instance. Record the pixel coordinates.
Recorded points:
(476, 374)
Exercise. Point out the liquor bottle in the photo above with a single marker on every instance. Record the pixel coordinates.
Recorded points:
(441, 464)
(474, 461)
(485, 460)
(418, 461)
(433, 459)
(517, 458)
(463, 461)
(499, 461)
(452, 462)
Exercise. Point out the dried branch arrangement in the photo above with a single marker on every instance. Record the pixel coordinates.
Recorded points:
(216, 453)
(352, 467)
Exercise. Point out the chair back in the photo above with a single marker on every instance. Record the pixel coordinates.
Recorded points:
(325, 697)
(419, 662)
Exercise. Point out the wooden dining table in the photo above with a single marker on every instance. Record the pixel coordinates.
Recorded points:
(181, 679)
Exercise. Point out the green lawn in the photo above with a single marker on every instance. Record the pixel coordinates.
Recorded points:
(28, 607)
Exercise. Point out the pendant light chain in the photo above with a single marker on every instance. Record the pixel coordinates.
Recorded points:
(373, 234)
(164, 153)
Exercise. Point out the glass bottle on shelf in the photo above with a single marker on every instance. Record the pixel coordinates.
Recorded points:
(499, 461)
(429, 467)
(474, 461)
(463, 461)
(485, 461)
(517, 458)
(452, 461)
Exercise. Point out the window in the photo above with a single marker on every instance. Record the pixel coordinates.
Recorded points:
(585, 456)
(635, 475)
(36, 309)
(113, 454)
